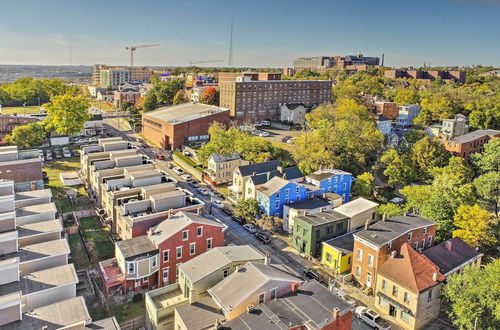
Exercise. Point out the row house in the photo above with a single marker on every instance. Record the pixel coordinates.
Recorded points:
(381, 107)
(9, 122)
(24, 167)
(470, 143)
(375, 243)
(220, 168)
(152, 260)
(253, 182)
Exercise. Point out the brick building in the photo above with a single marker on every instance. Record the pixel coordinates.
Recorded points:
(429, 76)
(23, 167)
(171, 127)
(323, 63)
(382, 107)
(253, 96)
(467, 144)
(9, 122)
(374, 244)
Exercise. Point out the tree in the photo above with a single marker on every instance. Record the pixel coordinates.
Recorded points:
(407, 96)
(248, 209)
(427, 154)
(489, 159)
(472, 297)
(67, 114)
(363, 186)
(474, 226)
(179, 98)
(150, 102)
(424, 118)
(390, 210)
(165, 90)
(209, 96)
(488, 188)
(398, 167)
(416, 196)
(30, 135)
(126, 106)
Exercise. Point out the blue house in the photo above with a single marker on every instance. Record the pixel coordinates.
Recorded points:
(277, 192)
(331, 180)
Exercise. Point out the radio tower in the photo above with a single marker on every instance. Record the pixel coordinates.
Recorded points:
(230, 58)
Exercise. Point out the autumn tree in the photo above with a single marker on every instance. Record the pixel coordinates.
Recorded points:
(179, 98)
(474, 226)
(427, 154)
(66, 114)
(399, 168)
(209, 96)
(407, 96)
(363, 186)
(390, 210)
(248, 209)
(25, 136)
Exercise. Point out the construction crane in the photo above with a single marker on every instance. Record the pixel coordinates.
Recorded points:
(133, 48)
(200, 62)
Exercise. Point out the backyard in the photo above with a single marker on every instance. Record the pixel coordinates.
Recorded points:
(97, 239)
(20, 110)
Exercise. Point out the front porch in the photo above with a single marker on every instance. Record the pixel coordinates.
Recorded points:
(235, 194)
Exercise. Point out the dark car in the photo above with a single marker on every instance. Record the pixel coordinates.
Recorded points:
(312, 274)
(285, 138)
(227, 211)
(109, 134)
(263, 237)
(239, 220)
(45, 176)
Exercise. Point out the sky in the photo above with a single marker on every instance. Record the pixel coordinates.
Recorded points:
(269, 33)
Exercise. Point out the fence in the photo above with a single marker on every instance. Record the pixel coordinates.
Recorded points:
(194, 172)
(133, 324)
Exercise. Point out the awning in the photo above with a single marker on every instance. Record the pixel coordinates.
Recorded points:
(395, 303)
(236, 189)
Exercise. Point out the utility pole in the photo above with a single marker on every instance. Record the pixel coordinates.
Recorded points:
(230, 58)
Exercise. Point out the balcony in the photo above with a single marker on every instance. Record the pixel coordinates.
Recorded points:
(161, 303)
(114, 278)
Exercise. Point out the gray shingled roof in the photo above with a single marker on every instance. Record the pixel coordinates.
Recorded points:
(475, 135)
(344, 243)
(136, 246)
(458, 254)
(247, 170)
(219, 158)
(309, 204)
(320, 218)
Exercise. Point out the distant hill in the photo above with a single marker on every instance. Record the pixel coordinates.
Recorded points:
(75, 73)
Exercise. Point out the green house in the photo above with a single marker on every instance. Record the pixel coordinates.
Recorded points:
(311, 230)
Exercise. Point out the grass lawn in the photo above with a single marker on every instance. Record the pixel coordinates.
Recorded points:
(20, 110)
(128, 311)
(93, 231)
(53, 168)
(103, 106)
(78, 255)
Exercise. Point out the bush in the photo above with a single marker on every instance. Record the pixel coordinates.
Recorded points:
(137, 297)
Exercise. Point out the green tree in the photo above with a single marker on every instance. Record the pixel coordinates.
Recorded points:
(179, 98)
(427, 154)
(488, 188)
(424, 118)
(474, 226)
(126, 106)
(363, 186)
(248, 209)
(209, 96)
(407, 96)
(150, 102)
(390, 210)
(30, 135)
(399, 168)
(489, 159)
(165, 90)
(67, 114)
(472, 297)
(416, 196)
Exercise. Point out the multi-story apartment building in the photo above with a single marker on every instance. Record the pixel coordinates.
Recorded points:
(374, 244)
(153, 260)
(9, 122)
(467, 144)
(112, 78)
(127, 93)
(23, 167)
(250, 100)
(221, 167)
(140, 73)
(382, 107)
(457, 126)
(323, 63)
(407, 113)
(427, 76)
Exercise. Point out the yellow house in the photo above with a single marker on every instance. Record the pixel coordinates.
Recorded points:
(337, 253)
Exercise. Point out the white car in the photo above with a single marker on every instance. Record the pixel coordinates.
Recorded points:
(218, 203)
(186, 176)
(372, 318)
(66, 154)
(290, 140)
(203, 191)
(178, 170)
(265, 123)
(250, 228)
(263, 134)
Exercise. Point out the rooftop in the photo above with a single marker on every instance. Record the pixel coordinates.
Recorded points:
(385, 231)
(310, 306)
(184, 112)
(321, 175)
(219, 158)
(412, 270)
(41, 193)
(200, 314)
(54, 316)
(309, 204)
(451, 254)
(356, 207)
(272, 186)
(218, 258)
(136, 246)
(469, 137)
(36, 228)
(246, 170)
(321, 218)
(40, 250)
(344, 243)
(25, 211)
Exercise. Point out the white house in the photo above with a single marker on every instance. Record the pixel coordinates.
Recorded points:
(293, 113)
(406, 114)
(384, 125)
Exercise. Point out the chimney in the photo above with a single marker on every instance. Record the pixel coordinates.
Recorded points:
(267, 259)
(169, 214)
(280, 169)
(393, 254)
(367, 224)
(448, 245)
(335, 313)
(217, 323)
(254, 173)
(295, 287)
(435, 276)
(384, 217)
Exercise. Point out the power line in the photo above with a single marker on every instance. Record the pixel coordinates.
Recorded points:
(230, 58)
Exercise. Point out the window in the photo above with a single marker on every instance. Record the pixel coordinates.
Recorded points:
(394, 290)
(430, 241)
(409, 236)
(359, 255)
(192, 248)
(328, 257)
(429, 295)
(262, 297)
(199, 231)
(318, 233)
(131, 267)
(179, 252)
(329, 230)
(404, 316)
(423, 243)
(370, 260)
(389, 245)
(406, 297)
(166, 255)
(165, 275)
(225, 273)
(384, 285)
(185, 235)
(392, 311)
(287, 192)
(145, 280)
(273, 293)
(277, 204)
(209, 243)
(349, 260)
(416, 246)
(154, 261)
(298, 190)
(358, 271)
(278, 194)
(424, 231)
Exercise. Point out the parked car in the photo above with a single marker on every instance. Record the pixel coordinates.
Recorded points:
(312, 274)
(194, 184)
(203, 191)
(76, 154)
(250, 228)
(286, 138)
(265, 123)
(239, 220)
(372, 318)
(263, 237)
(187, 153)
(66, 153)
(93, 139)
(186, 176)
(58, 153)
(228, 211)
(263, 134)
(40, 152)
(290, 140)
(170, 165)
(178, 170)
(109, 134)
(48, 155)
(218, 203)
(160, 156)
